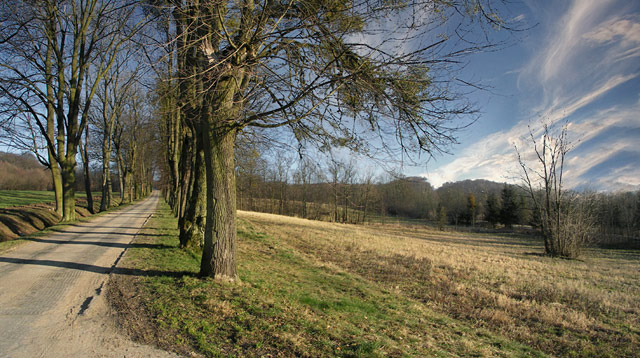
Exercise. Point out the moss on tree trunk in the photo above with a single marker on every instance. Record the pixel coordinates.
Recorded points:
(218, 255)
(68, 189)
(56, 177)
(192, 223)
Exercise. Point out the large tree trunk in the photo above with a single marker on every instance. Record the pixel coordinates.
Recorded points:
(84, 152)
(68, 168)
(56, 177)
(128, 185)
(192, 223)
(174, 163)
(186, 159)
(218, 255)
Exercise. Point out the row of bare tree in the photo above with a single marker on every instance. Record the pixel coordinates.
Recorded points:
(65, 79)
(336, 192)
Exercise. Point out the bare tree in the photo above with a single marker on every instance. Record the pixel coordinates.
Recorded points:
(48, 49)
(304, 176)
(112, 94)
(566, 222)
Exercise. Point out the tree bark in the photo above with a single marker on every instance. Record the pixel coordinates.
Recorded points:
(105, 201)
(84, 153)
(218, 255)
(68, 169)
(192, 223)
(121, 173)
(56, 177)
(186, 159)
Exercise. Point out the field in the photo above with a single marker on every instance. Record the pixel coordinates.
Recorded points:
(9, 198)
(320, 289)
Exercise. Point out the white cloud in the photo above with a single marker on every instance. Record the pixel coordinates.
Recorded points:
(583, 48)
(494, 157)
(626, 30)
(518, 18)
(586, 53)
(565, 38)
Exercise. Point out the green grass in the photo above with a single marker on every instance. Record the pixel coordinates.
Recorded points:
(289, 303)
(10, 198)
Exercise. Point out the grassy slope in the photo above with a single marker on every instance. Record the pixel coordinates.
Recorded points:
(320, 289)
(10, 198)
(290, 302)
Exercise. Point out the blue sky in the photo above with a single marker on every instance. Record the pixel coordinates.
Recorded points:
(580, 62)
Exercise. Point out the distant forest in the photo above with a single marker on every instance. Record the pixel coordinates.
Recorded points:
(25, 172)
(339, 192)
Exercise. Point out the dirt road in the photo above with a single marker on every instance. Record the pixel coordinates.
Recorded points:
(51, 290)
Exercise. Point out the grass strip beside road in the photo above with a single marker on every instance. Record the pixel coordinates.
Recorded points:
(287, 304)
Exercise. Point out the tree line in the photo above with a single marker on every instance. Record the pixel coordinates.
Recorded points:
(339, 191)
(64, 71)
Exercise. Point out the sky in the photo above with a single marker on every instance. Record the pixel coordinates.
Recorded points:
(580, 63)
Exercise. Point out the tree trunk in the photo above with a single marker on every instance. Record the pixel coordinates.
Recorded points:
(84, 153)
(192, 223)
(218, 255)
(68, 169)
(186, 159)
(128, 185)
(121, 173)
(105, 201)
(56, 177)
(174, 163)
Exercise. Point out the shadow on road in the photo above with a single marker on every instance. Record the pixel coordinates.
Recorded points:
(96, 269)
(104, 244)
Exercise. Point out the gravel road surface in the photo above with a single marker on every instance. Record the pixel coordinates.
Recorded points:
(51, 290)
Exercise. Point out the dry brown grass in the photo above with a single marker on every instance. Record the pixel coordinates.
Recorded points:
(588, 307)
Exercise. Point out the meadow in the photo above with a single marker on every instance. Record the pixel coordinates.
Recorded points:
(311, 288)
(9, 198)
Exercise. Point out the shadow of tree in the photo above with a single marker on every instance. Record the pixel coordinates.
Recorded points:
(103, 244)
(97, 269)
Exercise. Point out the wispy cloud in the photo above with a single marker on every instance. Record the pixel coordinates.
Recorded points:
(518, 18)
(597, 139)
(563, 39)
(585, 54)
(625, 30)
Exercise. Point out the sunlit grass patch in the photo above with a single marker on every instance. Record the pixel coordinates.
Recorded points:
(588, 307)
(290, 303)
